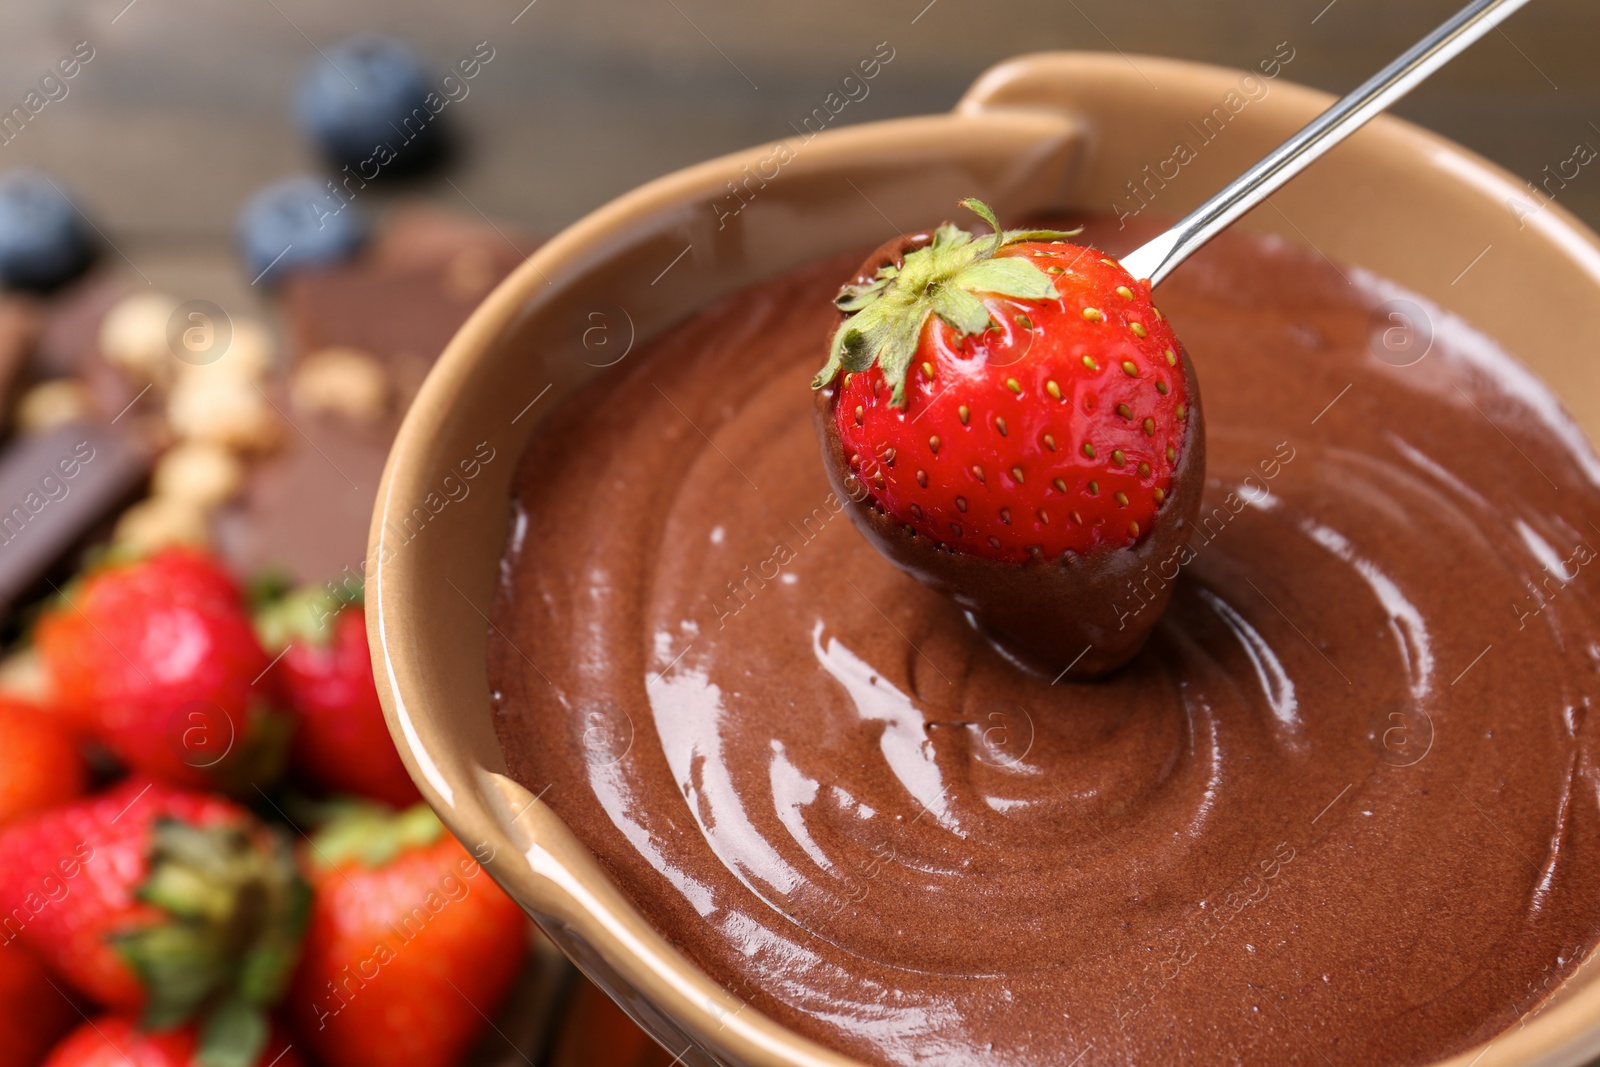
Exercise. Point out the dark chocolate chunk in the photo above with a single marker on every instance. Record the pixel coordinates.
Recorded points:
(69, 344)
(70, 334)
(307, 509)
(57, 490)
(19, 328)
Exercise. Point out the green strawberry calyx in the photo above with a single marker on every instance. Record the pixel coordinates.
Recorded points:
(944, 278)
(300, 616)
(234, 910)
(373, 835)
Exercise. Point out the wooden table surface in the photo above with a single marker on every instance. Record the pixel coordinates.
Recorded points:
(186, 106)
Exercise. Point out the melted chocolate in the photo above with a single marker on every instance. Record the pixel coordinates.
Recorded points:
(1341, 807)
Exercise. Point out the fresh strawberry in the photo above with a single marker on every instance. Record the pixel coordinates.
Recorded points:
(117, 1041)
(341, 742)
(160, 656)
(40, 765)
(410, 944)
(33, 1013)
(1014, 400)
(595, 1029)
(149, 898)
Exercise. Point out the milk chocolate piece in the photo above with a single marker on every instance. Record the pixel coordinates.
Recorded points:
(307, 508)
(57, 489)
(404, 299)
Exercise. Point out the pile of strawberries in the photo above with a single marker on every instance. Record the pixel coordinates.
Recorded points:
(210, 852)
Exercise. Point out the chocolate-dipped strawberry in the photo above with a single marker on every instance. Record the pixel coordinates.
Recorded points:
(1017, 426)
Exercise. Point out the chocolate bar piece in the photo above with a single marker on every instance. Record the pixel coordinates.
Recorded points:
(19, 327)
(69, 343)
(405, 299)
(306, 509)
(57, 490)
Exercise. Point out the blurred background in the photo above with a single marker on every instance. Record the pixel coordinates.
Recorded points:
(187, 105)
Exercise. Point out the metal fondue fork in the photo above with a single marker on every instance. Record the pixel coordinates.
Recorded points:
(1158, 258)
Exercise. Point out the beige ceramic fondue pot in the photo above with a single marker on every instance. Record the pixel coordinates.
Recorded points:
(1079, 131)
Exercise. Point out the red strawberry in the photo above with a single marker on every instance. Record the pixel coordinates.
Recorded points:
(40, 765)
(160, 657)
(340, 739)
(1019, 427)
(596, 1030)
(32, 1012)
(146, 897)
(410, 944)
(117, 1041)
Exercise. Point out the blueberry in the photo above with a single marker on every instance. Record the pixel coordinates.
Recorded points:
(297, 222)
(43, 239)
(370, 91)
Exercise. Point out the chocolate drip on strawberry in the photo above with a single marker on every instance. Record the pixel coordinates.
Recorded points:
(1017, 426)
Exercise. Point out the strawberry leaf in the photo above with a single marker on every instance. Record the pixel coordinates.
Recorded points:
(900, 348)
(232, 910)
(1013, 277)
(372, 835)
(963, 311)
(233, 1035)
(885, 316)
(1013, 236)
(949, 237)
(302, 616)
(858, 297)
(986, 213)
